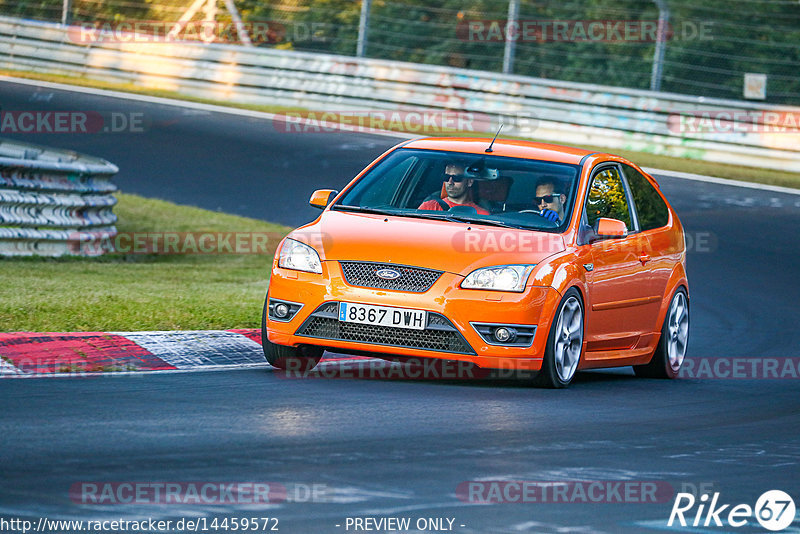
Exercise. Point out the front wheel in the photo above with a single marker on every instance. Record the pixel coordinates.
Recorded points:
(671, 348)
(564, 344)
(300, 359)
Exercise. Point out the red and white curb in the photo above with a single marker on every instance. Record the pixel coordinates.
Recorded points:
(50, 353)
(56, 354)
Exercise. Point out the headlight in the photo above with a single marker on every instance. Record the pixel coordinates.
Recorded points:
(300, 257)
(500, 278)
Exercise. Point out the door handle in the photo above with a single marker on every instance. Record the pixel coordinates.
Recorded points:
(644, 258)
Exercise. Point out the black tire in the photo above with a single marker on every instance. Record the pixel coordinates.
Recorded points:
(665, 363)
(299, 359)
(553, 375)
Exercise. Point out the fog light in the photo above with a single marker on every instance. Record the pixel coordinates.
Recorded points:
(281, 310)
(504, 335)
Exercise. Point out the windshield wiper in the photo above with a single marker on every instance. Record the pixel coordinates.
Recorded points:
(447, 216)
(433, 216)
(444, 216)
(488, 222)
(343, 207)
(413, 214)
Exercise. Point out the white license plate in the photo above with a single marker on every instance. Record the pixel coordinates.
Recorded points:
(382, 316)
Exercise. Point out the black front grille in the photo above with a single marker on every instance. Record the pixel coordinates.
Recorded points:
(439, 334)
(412, 279)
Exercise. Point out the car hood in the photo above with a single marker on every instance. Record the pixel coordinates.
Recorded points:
(447, 246)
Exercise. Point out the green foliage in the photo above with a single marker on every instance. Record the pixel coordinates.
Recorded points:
(607, 198)
(311, 25)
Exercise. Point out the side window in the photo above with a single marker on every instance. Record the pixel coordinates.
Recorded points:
(607, 198)
(389, 184)
(426, 182)
(650, 207)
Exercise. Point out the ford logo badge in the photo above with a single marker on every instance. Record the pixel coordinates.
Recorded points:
(388, 274)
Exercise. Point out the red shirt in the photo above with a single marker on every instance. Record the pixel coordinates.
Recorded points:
(434, 206)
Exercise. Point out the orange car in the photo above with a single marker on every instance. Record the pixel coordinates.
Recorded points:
(509, 255)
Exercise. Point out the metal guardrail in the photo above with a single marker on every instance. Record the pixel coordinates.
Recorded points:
(563, 112)
(53, 202)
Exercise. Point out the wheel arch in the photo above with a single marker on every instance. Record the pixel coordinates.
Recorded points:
(561, 276)
(676, 280)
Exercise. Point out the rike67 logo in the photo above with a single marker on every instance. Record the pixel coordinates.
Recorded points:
(774, 510)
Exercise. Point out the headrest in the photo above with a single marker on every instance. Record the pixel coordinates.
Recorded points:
(494, 190)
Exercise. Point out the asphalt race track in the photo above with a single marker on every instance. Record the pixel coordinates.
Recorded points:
(400, 448)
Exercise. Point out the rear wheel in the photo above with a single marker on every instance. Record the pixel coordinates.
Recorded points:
(671, 348)
(564, 344)
(302, 359)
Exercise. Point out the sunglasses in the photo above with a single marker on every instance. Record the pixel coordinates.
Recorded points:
(457, 178)
(547, 199)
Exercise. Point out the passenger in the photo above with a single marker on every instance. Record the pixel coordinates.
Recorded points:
(459, 191)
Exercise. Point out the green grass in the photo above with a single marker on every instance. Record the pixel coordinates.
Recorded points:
(141, 292)
(735, 172)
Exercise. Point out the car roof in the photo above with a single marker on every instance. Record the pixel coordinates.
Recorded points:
(503, 147)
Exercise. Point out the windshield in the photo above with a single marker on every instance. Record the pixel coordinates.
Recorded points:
(460, 187)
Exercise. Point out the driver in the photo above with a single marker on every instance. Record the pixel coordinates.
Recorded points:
(550, 203)
(458, 188)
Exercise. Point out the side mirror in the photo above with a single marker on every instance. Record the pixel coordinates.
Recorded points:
(322, 197)
(613, 228)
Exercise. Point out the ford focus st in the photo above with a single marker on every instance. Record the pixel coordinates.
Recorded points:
(509, 255)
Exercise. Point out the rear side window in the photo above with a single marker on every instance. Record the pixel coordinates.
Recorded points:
(607, 198)
(651, 210)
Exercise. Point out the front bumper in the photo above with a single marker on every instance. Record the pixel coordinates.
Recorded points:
(449, 334)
